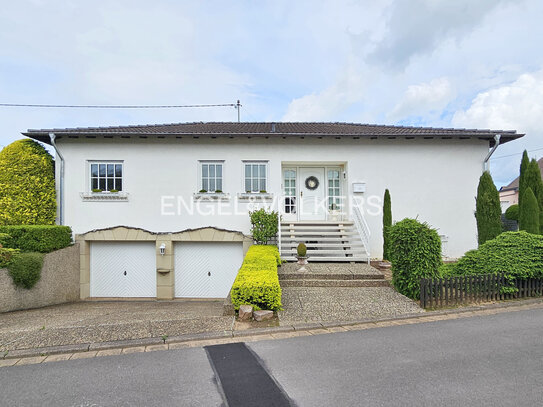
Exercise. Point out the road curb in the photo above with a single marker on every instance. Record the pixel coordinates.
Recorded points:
(221, 335)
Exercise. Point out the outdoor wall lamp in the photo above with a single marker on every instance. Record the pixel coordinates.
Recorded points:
(162, 249)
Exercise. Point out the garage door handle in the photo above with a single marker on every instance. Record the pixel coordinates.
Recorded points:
(125, 272)
(209, 273)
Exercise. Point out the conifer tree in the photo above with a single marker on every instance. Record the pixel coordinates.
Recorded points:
(488, 210)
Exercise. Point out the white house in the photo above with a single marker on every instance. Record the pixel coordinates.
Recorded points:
(182, 193)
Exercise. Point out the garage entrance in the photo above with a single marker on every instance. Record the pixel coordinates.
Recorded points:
(123, 269)
(206, 269)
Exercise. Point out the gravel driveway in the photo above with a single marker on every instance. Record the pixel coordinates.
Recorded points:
(90, 322)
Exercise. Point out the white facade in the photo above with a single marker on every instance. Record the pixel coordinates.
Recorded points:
(433, 180)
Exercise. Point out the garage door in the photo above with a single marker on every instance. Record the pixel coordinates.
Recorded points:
(206, 270)
(122, 269)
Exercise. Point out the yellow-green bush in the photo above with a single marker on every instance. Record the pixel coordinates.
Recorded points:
(257, 283)
(27, 185)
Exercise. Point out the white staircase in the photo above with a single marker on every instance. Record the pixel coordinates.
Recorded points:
(326, 241)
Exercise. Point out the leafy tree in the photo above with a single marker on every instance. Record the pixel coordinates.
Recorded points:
(488, 210)
(387, 223)
(27, 185)
(523, 167)
(529, 213)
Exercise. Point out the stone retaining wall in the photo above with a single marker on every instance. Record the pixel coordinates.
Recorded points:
(59, 283)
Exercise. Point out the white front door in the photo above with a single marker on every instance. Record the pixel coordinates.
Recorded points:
(122, 269)
(312, 186)
(206, 269)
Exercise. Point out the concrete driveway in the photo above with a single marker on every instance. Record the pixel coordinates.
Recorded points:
(91, 322)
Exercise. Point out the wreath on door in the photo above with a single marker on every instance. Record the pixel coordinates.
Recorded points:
(311, 183)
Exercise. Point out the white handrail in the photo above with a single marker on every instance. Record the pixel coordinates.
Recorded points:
(362, 228)
(279, 232)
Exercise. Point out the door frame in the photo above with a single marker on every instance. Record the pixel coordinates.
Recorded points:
(327, 166)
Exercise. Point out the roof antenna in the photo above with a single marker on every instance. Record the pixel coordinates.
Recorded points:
(238, 107)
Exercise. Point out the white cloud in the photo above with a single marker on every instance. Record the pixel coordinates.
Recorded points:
(518, 105)
(420, 99)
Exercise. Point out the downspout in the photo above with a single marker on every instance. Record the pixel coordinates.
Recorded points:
(497, 138)
(61, 186)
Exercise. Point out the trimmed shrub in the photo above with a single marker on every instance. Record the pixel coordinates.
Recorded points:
(27, 185)
(257, 283)
(525, 162)
(37, 238)
(264, 225)
(511, 213)
(6, 256)
(25, 269)
(488, 211)
(517, 254)
(301, 250)
(529, 213)
(387, 223)
(415, 253)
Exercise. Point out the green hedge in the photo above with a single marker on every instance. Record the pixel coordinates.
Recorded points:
(25, 269)
(512, 212)
(6, 256)
(415, 253)
(257, 283)
(37, 238)
(517, 254)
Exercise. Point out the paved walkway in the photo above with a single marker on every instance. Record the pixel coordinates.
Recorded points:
(91, 322)
(329, 304)
(278, 333)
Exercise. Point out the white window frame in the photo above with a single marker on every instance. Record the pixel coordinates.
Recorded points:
(90, 163)
(266, 172)
(201, 163)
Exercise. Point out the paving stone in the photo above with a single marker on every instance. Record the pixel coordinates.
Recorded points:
(84, 355)
(8, 362)
(152, 348)
(109, 352)
(58, 358)
(262, 315)
(31, 361)
(133, 349)
(245, 312)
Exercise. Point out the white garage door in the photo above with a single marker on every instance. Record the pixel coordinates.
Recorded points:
(122, 269)
(206, 270)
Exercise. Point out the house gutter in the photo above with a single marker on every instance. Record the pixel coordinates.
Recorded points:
(52, 137)
(497, 138)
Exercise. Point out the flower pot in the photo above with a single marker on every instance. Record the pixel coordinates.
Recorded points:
(302, 261)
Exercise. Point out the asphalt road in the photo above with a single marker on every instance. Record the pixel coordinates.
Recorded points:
(492, 360)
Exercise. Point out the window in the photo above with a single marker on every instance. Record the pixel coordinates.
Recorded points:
(334, 198)
(256, 175)
(289, 179)
(211, 176)
(106, 176)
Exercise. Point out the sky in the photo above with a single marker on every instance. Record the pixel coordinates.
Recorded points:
(439, 63)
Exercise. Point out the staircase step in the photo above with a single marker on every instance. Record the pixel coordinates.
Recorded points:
(316, 227)
(296, 240)
(331, 259)
(334, 283)
(326, 233)
(338, 252)
(294, 245)
(317, 222)
(329, 276)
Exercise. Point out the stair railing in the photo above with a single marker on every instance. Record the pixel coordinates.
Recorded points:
(279, 232)
(362, 228)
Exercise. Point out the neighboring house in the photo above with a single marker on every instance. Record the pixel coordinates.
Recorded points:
(196, 182)
(509, 193)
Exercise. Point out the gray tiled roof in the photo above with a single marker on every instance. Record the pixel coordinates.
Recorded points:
(281, 129)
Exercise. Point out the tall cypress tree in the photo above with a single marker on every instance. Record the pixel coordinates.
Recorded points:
(529, 213)
(387, 223)
(523, 167)
(488, 210)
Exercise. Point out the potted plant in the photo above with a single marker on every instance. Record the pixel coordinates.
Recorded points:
(301, 254)
(334, 213)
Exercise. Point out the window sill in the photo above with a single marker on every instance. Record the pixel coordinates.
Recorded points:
(210, 196)
(260, 196)
(104, 196)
